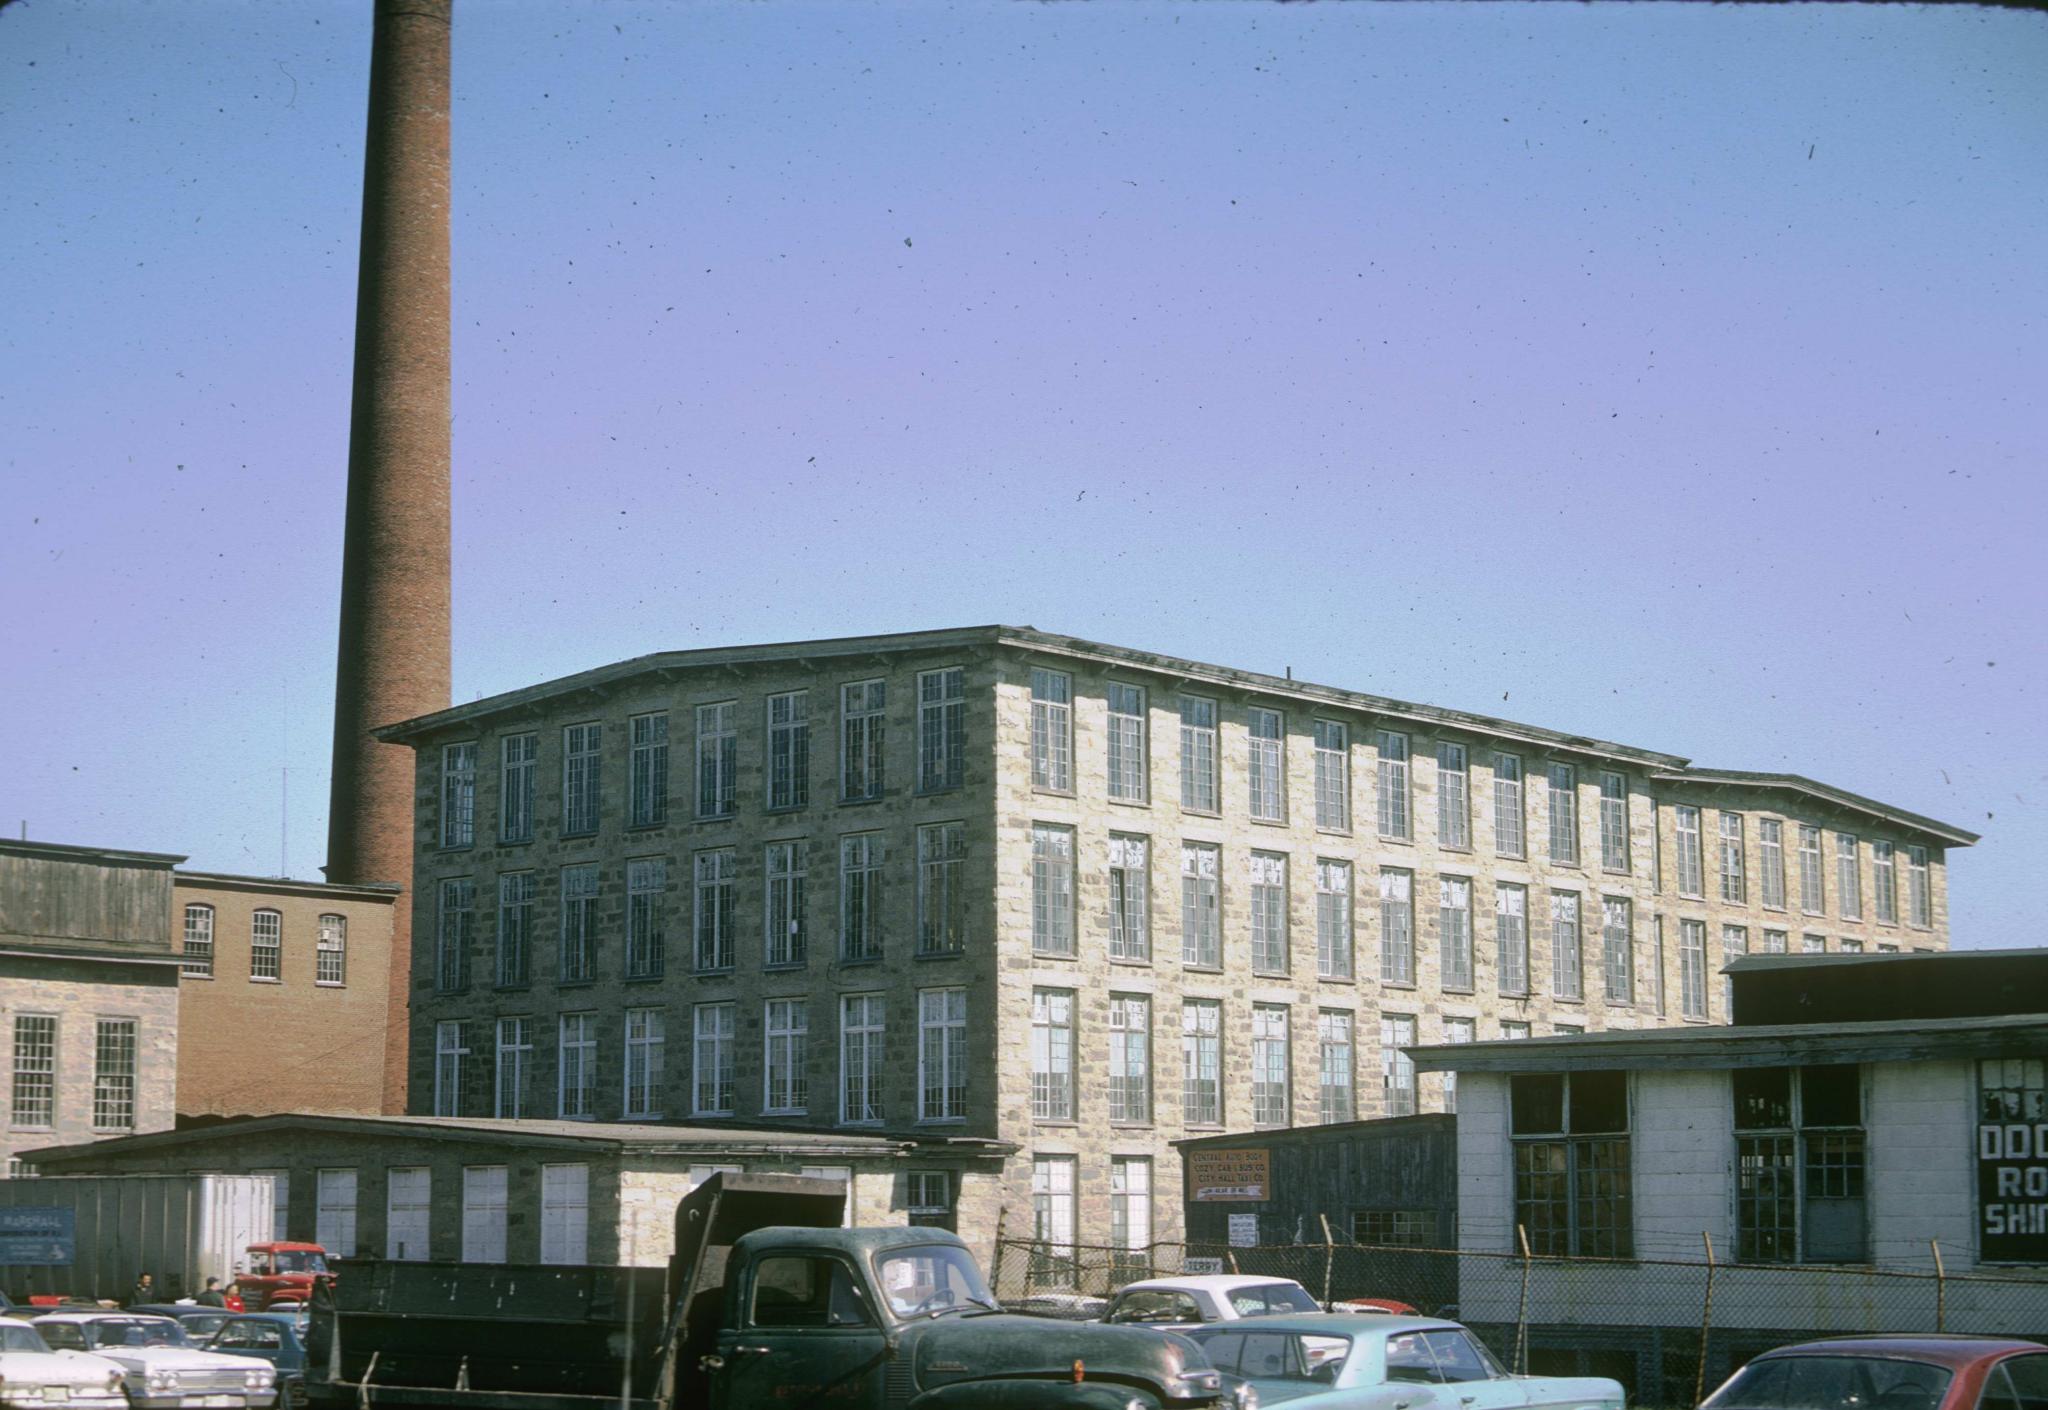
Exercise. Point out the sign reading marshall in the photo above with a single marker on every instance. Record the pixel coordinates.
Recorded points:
(41, 1235)
(1230, 1175)
(2012, 1161)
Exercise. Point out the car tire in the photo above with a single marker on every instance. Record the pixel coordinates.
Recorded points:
(285, 1399)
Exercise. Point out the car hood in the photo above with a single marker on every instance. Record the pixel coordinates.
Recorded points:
(172, 1358)
(1002, 1345)
(1576, 1389)
(57, 1368)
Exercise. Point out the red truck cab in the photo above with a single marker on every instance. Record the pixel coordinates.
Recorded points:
(281, 1273)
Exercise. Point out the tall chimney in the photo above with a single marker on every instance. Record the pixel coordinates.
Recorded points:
(393, 660)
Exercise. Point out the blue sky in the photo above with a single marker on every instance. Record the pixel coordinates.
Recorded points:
(1664, 373)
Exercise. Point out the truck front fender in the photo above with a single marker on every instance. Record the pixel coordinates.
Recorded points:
(1035, 1395)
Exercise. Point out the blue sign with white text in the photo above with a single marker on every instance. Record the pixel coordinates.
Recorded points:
(39, 1234)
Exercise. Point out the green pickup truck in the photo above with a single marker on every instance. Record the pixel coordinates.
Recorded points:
(767, 1302)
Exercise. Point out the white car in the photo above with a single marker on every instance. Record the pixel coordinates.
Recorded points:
(162, 1369)
(1173, 1304)
(33, 1375)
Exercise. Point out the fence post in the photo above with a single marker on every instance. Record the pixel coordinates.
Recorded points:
(1522, 1313)
(1231, 1254)
(1699, 1376)
(1940, 1288)
(1329, 1258)
(995, 1273)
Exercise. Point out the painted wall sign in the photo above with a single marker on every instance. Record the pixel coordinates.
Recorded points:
(44, 1235)
(2012, 1161)
(1244, 1176)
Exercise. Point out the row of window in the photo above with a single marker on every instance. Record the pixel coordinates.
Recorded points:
(266, 946)
(35, 1074)
(1734, 882)
(409, 1212)
(1055, 1228)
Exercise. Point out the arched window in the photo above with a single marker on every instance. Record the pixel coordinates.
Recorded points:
(198, 958)
(266, 945)
(331, 958)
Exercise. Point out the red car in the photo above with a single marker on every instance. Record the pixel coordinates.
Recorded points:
(1892, 1373)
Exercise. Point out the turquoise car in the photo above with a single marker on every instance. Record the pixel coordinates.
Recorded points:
(276, 1337)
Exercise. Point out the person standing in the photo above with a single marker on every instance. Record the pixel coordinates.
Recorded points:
(212, 1296)
(145, 1291)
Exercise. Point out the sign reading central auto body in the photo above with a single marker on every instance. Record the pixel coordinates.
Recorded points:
(45, 1235)
(1230, 1175)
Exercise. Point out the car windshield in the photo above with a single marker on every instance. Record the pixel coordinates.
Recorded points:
(134, 1331)
(300, 1261)
(930, 1278)
(15, 1337)
(1266, 1299)
(1843, 1382)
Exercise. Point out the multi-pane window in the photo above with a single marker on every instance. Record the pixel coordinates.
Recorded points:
(1397, 1069)
(862, 733)
(941, 1054)
(1692, 968)
(1272, 1091)
(718, 755)
(1454, 928)
(1734, 877)
(35, 1070)
(456, 903)
(712, 1033)
(1811, 944)
(1393, 783)
(1337, 1093)
(518, 757)
(930, 1200)
(783, 938)
(1734, 944)
(1397, 927)
(1396, 1228)
(451, 1056)
(1657, 993)
(789, 749)
(1201, 1062)
(1799, 1164)
(647, 770)
(1266, 763)
(1130, 926)
(576, 1067)
(1511, 935)
(1692, 873)
(1453, 796)
(1618, 945)
(1775, 942)
(1884, 882)
(483, 1214)
(1052, 730)
(646, 917)
(785, 1080)
(860, 896)
(266, 945)
(1812, 879)
(458, 794)
(198, 956)
(1456, 1030)
(1570, 1139)
(1564, 814)
(1567, 958)
(942, 889)
(1052, 1054)
(1848, 876)
(1130, 1058)
(1851, 947)
(860, 1058)
(581, 748)
(1333, 776)
(330, 951)
(941, 728)
(713, 909)
(516, 893)
(1770, 862)
(579, 923)
(1334, 942)
(1052, 1218)
(1197, 754)
(1919, 898)
(1509, 836)
(1201, 927)
(1268, 880)
(1052, 889)
(1127, 775)
(515, 1053)
(1613, 821)
(1130, 1213)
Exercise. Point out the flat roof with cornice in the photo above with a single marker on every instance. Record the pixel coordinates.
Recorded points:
(1667, 767)
(287, 886)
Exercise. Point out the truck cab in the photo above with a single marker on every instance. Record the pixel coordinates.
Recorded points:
(280, 1273)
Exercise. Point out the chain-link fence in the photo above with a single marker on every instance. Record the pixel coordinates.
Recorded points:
(1668, 1330)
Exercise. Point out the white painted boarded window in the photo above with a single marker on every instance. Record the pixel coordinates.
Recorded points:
(565, 1214)
(483, 1214)
(408, 1212)
(334, 1222)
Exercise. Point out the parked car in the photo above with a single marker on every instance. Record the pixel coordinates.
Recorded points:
(1337, 1361)
(276, 1337)
(199, 1322)
(163, 1370)
(1174, 1304)
(1892, 1373)
(32, 1375)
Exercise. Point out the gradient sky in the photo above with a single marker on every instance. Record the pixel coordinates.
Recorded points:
(1672, 374)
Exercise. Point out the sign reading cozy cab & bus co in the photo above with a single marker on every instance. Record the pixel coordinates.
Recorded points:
(45, 1235)
(1230, 1175)
(2012, 1162)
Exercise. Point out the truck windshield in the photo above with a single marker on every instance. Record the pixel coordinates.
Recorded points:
(927, 1278)
(293, 1261)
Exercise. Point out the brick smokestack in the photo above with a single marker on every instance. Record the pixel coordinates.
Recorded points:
(394, 580)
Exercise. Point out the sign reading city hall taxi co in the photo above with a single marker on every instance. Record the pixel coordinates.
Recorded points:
(2012, 1161)
(1215, 1175)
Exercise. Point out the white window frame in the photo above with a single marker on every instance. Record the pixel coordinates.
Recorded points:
(646, 917)
(789, 750)
(408, 1213)
(1336, 934)
(1734, 861)
(1397, 927)
(1265, 739)
(515, 1054)
(518, 765)
(942, 888)
(334, 1210)
(1052, 730)
(518, 892)
(484, 1208)
(1567, 945)
(454, 929)
(862, 1058)
(1454, 934)
(646, 1060)
(1562, 811)
(1052, 889)
(1397, 1069)
(714, 1029)
(1130, 1059)
(1200, 784)
(576, 1033)
(647, 769)
(1266, 880)
(1510, 808)
(715, 877)
(458, 794)
(266, 945)
(1201, 905)
(1395, 808)
(451, 1052)
(717, 759)
(1614, 848)
(1453, 795)
(862, 859)
(785, 1057)
(1130, 887)
(196, 961)
(582, 777)
(565, 1215)
(1127, 742)
(941, 729)
(863, 740)
(1052, 1055)
(942, 1055)
(576, 953)
(1770, 863)
(1848, 875)
(1511, 939)
(1201, 1052)
(1272, 1067)
(784, 910)
(1333, 774)
(1336, 1065)
(330, 951)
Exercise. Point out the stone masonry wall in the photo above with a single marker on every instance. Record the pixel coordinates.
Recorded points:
(78, 994)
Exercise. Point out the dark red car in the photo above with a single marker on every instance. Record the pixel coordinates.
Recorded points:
(1892, 1373)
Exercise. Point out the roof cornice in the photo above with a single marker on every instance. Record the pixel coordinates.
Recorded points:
(1821, 792)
